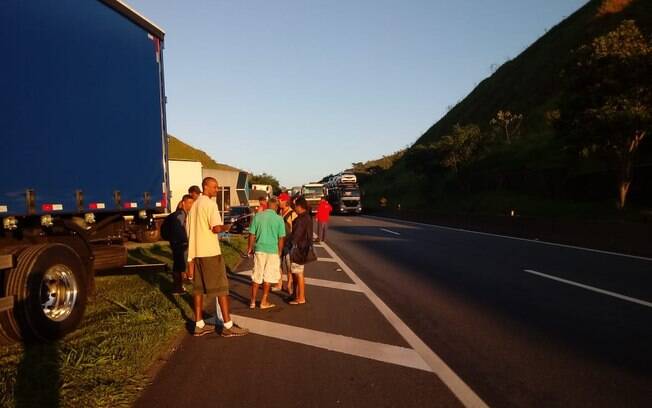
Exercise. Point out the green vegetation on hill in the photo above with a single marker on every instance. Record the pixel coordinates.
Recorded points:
(509, 142)
(182, 151)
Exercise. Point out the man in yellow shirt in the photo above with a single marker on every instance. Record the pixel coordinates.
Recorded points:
(203, 225)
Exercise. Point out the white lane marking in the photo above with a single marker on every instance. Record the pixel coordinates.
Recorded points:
(386, 353)
(320, 282)
(326, 260)
(454, 383)
(488, 234)
(591, 288)
(390, 231)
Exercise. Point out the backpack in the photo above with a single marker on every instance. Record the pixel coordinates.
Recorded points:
(166, 227)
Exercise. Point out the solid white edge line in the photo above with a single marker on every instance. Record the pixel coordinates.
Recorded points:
(591, 288)
(455, 384)
(385, 353)
(398, 221)
(390, 231)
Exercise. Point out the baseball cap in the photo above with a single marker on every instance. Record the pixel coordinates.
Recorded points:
(284, 197)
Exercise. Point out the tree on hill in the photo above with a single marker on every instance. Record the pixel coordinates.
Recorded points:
(608, 102)
(460, 147)
(507, 124)
(265, 178)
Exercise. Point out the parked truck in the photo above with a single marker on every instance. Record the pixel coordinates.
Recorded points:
(84, 154)
(344, 193)
(313, 192)
(345, 199)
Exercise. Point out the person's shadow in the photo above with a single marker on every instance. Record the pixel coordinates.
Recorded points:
(38, 378)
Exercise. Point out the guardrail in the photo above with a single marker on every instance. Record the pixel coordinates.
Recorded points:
(6, 262)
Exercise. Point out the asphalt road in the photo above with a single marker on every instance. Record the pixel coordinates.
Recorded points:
(518, 339)
(405, 315)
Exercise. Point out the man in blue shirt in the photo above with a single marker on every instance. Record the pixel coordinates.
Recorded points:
(179, 242)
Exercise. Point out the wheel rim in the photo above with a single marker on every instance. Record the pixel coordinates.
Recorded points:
(58, 292)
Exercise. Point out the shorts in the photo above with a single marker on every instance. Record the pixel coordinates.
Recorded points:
(286, 264)
(210, 276)
(267, 268)
(296, 268)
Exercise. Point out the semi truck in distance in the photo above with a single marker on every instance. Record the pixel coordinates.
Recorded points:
(84, 154)
(313, 192)
(344, 193)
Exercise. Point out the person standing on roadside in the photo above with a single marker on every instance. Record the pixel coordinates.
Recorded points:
(266, 239)
(203, 225)
(178, 238)
(194, 192)
(300, 240)
(262, 205)
(324, 210)
(288, 215)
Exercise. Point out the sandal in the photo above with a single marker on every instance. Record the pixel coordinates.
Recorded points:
(252, 305)
(295, 302)
(267, 306)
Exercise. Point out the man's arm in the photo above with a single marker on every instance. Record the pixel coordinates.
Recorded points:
(281, 243)
(221, 228)
(252, 242)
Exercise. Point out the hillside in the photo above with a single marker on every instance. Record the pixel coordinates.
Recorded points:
(183, 151)
(529, 84)
(537, 171)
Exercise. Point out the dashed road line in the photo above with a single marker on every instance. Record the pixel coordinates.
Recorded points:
(591, 288)
(390, 231)
(455, 384)
(386, 353)
(488, 234)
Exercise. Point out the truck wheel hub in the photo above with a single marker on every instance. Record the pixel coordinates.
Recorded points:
(58, 292)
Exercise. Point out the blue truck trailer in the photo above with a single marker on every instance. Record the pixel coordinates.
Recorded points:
(84, 153)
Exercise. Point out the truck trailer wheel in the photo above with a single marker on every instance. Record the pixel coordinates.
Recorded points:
(49, 289)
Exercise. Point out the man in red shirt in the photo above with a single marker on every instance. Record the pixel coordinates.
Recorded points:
(323, 214)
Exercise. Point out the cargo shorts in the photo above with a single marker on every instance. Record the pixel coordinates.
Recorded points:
(210, 276)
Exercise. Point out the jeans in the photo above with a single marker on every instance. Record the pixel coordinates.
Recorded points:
(322, 227)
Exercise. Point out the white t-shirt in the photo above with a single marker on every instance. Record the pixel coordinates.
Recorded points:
(202, 217)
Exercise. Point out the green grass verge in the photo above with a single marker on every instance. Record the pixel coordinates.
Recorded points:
(103, 363)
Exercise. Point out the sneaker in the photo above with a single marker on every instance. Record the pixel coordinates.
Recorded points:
(234, 331)
(207, 329)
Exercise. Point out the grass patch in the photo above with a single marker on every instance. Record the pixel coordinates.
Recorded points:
(103, 363)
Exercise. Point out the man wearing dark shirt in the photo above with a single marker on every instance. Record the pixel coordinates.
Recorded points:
(179, 242)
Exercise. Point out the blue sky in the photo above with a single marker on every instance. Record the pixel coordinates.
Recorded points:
(301, 89)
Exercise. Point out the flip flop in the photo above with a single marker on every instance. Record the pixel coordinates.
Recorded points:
(294, 302)
(268, 306)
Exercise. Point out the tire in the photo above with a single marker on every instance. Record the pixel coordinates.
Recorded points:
(50, 291)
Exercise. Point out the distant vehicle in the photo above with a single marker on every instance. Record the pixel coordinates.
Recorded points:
(346, 178)
(295, 191)
(345, 199)
(263, 187)
(240, 217)
(84, 155)
(313, 192)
